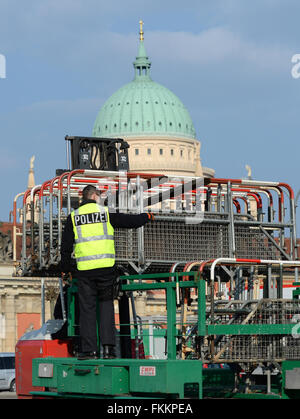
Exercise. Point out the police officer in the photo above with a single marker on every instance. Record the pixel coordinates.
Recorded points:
(91, 229)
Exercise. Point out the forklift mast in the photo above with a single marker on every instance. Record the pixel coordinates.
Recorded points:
(97, 153)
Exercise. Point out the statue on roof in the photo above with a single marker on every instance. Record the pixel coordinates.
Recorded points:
(31, 162)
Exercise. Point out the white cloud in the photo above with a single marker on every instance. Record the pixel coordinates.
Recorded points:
(106, 52)
(78, 33)
(215, 46)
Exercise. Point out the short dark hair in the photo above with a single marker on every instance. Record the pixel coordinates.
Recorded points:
(88, 191)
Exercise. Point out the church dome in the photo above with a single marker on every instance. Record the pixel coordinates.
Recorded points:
(143, 108)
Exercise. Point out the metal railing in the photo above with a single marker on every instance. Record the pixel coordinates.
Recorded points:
(194, 221)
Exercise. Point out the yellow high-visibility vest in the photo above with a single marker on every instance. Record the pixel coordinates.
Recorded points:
(94, 237)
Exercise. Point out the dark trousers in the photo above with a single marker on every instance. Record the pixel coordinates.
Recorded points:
(90, 290)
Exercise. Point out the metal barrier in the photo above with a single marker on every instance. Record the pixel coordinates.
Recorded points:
(194, 220)
(243, 329)
(221, 331)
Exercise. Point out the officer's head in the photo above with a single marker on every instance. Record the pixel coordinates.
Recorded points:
(91, 192)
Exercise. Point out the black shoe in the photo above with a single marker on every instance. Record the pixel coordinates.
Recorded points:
(87, 355)
(109, 352)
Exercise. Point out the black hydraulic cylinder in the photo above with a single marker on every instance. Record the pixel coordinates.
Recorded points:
(125, 338)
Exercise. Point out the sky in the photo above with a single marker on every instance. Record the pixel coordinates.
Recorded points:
(229, 62)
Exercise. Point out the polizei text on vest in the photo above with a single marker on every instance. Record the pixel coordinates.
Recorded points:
(94, 217)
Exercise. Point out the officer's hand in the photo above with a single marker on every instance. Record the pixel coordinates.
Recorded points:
(66, 276)
(150, 216)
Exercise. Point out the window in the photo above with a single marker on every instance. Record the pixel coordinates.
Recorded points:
(136, 151)
(161, 151)
(149, 151)
(172, 152)
(181, 153)
(7, 363)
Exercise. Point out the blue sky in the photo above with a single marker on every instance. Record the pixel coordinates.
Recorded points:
(229, 61)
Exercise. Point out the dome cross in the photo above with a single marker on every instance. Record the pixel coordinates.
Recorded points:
(141, 31)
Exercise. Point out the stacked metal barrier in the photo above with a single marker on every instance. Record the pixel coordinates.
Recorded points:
(263, 345)
(223, 330)
(256, 228)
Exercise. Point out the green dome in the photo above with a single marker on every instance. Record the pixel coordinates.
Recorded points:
(143, 107)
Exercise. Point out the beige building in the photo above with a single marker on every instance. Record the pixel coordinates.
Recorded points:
(20, 306)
